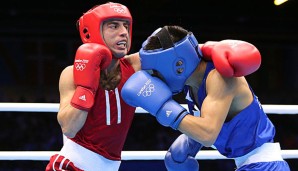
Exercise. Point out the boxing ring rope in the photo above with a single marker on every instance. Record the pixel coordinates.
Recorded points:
(53, 107)
(126, 155)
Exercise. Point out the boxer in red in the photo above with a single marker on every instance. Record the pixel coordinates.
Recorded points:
(92, 114)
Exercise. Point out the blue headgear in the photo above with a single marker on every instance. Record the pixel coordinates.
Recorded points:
(174, 61)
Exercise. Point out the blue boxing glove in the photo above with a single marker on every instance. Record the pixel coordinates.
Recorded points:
(181, 155)
(153, 95)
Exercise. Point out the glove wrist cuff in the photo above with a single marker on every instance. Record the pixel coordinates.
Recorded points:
(82, 99)
(179, 118)
(171, 114)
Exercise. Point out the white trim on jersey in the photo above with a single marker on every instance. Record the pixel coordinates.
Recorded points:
(108, 112)
(108, 107)
(118, 105)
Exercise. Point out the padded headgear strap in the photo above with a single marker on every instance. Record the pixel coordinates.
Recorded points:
(175, 63)
(165, 38)
(91, 21)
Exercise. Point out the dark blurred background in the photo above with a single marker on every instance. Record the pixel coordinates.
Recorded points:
(39, 39)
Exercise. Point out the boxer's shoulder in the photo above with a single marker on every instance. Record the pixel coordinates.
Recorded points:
(134, 60)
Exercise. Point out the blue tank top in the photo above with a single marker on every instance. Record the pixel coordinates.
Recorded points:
(248, 130)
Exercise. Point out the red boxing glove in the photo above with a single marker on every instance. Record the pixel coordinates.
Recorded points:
(232, 58)
(90, 59)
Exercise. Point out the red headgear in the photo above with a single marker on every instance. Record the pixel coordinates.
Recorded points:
(91, 22)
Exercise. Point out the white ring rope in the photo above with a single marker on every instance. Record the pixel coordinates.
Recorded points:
(126, 155)
(53, 107)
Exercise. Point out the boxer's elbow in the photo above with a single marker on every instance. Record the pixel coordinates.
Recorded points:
(200, 129)
(68, 129)
(68, 133)
(208, 137)
(208, 141)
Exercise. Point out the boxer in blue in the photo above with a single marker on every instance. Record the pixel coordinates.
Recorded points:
(231, 118)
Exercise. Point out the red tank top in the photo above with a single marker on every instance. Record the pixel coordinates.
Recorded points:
(108, 122)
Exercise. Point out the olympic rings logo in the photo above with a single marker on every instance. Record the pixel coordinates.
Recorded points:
(80, 66)
(149, 90)
(119, 10)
